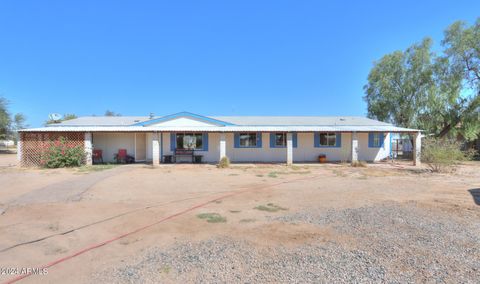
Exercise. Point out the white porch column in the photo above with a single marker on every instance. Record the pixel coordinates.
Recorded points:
(417, 148)
(223, 146)
(88, 148)
(155, 149)
(289, 148)
(354, 157)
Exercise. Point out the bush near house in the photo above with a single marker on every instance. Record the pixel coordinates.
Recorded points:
(60, 154)
(442, 155)
(224, 163)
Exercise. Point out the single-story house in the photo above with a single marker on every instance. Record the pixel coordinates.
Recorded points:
(277, 139)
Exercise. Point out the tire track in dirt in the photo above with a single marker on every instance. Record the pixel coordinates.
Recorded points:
(63, 191)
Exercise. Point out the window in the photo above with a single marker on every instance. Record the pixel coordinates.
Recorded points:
(375, 140)
(280, 139)
(248, 140)
(328, 139)
(189, 141)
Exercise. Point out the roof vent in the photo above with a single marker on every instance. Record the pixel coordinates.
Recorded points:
(151, 115)
(342, 119)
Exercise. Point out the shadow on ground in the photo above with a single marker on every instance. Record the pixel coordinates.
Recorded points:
(475, 192)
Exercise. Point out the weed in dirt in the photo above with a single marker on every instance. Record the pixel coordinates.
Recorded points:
(235, 211)
(212, 217)
(247, 220)
(359, 164)
(53, 227)
(233, 175)
(276, 174)
(272, 174)
(218, 201)
(165, 269)
(339, 173)
(270, 207)
(259, 176)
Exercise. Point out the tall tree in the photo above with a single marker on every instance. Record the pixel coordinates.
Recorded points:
(5, 119)
(19, 121)
(462, 52)
(400, 84)
(439, 94)
(111, 113)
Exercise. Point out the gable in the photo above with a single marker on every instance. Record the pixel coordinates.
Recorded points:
(183, 121)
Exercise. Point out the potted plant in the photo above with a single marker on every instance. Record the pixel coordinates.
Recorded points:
(322, 158)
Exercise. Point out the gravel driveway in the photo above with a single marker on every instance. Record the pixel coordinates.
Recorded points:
(390, 242)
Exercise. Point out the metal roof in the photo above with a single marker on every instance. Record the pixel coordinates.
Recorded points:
(102, 121)
(378, 128)
(300, 120)
(236, 120)
(235, 124)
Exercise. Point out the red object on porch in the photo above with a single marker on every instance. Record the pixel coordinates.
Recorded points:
(122, 155)
(97, 155)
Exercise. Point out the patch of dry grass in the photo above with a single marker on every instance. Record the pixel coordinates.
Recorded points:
(212, 217)
(270, 207)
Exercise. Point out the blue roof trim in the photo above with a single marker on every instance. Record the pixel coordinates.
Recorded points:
(183, 114)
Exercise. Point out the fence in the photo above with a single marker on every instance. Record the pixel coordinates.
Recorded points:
(34, 144)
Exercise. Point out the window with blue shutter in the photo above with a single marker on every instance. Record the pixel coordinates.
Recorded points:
(375, 139)
(327, 139)
(248, 140)
(173, 141)
(191, 141)
(205, 141)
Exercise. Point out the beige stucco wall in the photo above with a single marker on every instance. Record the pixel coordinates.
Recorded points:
(110, 143)
(305, 152)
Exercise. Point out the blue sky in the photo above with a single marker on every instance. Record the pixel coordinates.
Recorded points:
(209, 57)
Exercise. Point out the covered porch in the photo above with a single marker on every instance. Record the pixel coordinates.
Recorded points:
(271, 147)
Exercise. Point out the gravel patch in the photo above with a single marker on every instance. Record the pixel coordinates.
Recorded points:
(394, 243)
(414, 243)
(223, 260)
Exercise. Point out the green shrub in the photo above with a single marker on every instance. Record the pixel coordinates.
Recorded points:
(60, 153)
(224, 163)
(442, 155)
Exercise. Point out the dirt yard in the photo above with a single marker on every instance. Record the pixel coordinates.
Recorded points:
(248, 223)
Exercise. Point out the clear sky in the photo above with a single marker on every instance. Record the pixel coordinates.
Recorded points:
(208, 57)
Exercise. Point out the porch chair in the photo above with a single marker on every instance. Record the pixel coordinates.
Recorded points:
(97, 156)
(122, 156)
